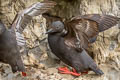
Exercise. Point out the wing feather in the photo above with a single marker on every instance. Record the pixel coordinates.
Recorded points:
(104, 21)
(86, 27)
(24, 17)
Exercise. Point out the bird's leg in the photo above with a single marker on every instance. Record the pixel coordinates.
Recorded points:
(86, 72)
(65, 70)
(75, 73)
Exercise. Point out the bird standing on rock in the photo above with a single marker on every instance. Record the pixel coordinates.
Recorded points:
(69, 40)
(11, 38)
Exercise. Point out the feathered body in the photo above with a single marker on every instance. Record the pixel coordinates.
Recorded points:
(11, 38)
(81, 61)
(9, 51)
(69, 40)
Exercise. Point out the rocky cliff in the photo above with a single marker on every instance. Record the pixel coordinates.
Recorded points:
(39, 67)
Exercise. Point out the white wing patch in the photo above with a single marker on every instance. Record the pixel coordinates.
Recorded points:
(20, 39)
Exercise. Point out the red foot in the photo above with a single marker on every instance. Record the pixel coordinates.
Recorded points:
(65, 70)
(86, 72)
(24, 74)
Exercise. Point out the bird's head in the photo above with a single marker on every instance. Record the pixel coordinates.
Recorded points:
(56, 27)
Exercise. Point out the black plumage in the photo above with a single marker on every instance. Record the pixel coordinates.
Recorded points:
(11, 38)
(69, 40)
(9, 51)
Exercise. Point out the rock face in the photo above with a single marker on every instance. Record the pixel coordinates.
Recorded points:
(105, 50)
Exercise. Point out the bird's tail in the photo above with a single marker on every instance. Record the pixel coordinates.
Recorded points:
(94, 67)
(89, 62)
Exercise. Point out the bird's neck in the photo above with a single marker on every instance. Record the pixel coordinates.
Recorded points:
(63, 33)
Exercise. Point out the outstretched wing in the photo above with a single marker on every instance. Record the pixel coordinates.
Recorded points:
(25, 16)
(87, 27)
(104, 21)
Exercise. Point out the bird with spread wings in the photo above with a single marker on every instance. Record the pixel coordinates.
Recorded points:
(70, 40)
(11, 38)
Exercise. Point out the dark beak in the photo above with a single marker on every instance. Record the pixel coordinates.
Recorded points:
(50, 31)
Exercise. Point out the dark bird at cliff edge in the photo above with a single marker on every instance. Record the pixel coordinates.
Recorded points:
(11, 38)
(70, 40)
